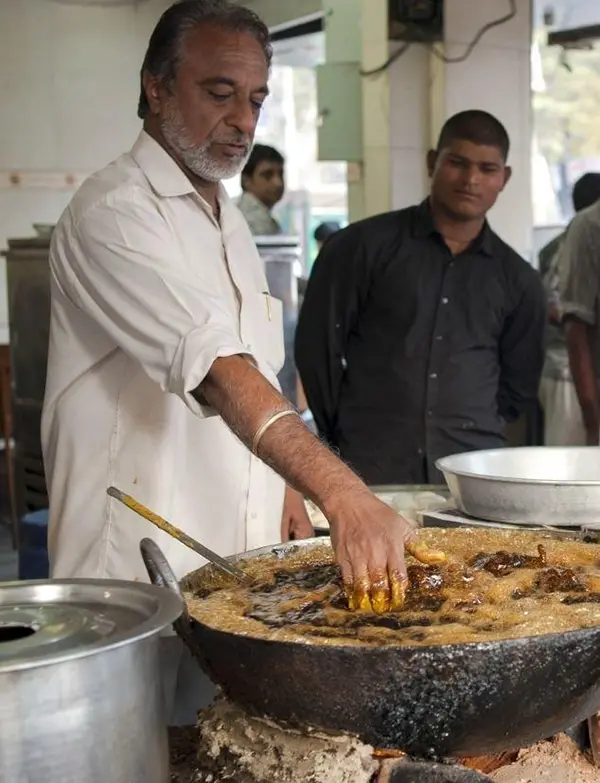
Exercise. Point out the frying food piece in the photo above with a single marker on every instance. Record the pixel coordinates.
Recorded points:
(425, 578)
(559, 580)
(425, 555)
(501, 563)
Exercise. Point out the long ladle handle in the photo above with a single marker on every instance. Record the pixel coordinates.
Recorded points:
(179, 535)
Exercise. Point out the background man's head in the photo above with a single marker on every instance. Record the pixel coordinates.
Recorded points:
(203, 82)
(586, 191)
(263, 175)
(468, 168)
(324, 230)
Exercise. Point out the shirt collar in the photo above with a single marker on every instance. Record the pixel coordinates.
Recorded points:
(163, 173)
(424, 226)
(251, 200)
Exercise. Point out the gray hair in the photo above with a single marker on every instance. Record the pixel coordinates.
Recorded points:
(165, 46)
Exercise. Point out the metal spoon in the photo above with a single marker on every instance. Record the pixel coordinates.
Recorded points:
(218, 561)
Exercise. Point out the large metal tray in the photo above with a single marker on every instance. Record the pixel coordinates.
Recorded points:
(557, 486)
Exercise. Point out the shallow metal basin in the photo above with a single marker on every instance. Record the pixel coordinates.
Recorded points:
(541, 485)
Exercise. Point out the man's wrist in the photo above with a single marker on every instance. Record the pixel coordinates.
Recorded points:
(336, 498)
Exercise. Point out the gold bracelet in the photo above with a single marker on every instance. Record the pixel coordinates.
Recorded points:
(264, 427)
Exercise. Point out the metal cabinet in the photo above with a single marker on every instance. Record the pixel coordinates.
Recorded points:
(28, 283)
(281, 254)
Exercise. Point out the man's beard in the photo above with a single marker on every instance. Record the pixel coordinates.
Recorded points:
(197, 157)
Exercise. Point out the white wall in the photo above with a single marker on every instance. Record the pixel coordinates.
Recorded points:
(276, 12)
(69, 81)
(496, 78)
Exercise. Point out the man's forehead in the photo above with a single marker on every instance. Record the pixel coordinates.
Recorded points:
(269, 165)
(218, 52)
(474, 151)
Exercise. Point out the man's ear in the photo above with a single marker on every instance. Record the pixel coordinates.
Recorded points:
(507, 176)
(152, 87)
(432, 157)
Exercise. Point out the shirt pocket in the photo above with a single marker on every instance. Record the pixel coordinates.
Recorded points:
(267, 328)
(483, 309)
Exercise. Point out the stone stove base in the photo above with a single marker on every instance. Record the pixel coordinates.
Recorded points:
(227, 745)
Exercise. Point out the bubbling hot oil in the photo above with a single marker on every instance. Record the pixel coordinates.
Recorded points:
(495, 585)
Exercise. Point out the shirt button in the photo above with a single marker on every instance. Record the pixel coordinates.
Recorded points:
(444, 300)
(433, 375)
(420, 452)
(253, 515)
(439, 337)
(430, 413)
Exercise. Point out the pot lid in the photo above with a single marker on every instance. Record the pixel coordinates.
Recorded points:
(49, 621)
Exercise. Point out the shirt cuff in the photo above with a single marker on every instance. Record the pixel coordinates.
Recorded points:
(193, 359)
(579, 311)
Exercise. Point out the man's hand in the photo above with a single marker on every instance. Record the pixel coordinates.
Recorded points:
(368, 538)
(295, 523)
(554, 315)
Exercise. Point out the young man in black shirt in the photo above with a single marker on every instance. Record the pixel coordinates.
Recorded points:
(422, 332)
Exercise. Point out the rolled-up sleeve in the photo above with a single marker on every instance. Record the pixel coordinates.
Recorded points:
(579, 269)
(122, 264)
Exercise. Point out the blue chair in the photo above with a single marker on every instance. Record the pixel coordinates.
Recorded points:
(33, 550)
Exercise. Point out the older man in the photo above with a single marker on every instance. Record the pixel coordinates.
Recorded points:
(165, 342)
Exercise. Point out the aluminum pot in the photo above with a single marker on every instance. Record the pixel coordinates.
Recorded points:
(81, 697)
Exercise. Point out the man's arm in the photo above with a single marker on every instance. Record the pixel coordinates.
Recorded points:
(578, 266)
(122, 268)
(367, 536)
(522, 349)
(584, 376)
(335, 291)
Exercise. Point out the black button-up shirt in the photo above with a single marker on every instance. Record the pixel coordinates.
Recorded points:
(408, 353)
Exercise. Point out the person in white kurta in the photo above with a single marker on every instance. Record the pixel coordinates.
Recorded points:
(165, 341)
(147, 291)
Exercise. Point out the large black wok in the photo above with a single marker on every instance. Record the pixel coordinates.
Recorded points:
(438, 701)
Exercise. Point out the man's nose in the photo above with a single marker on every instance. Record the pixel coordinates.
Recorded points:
(244, 117)
(472, 175)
